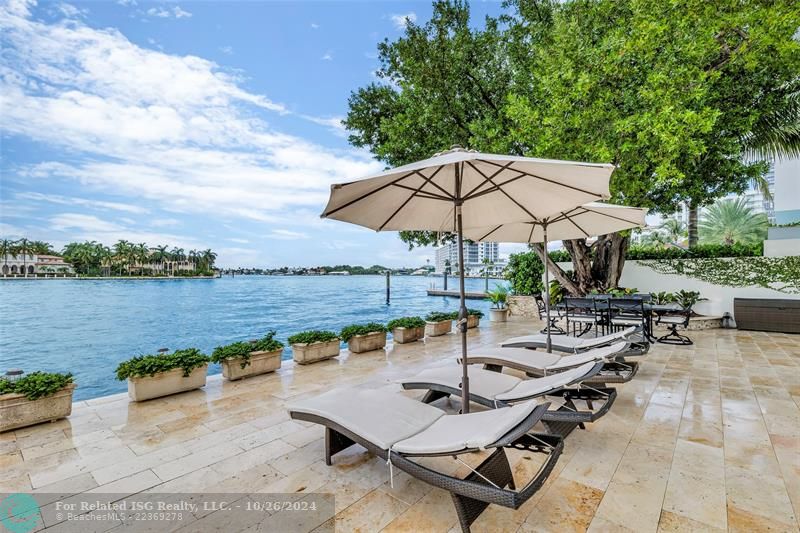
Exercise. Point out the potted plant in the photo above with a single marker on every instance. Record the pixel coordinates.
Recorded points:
(438, 323)
(153, 376)
(35, 398)
(244, 359)
(407, 329)
(314, 345)
(364, 337)
(473, 318)
(498, 297)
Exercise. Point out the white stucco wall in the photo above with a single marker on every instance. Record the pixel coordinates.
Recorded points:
(720, 299)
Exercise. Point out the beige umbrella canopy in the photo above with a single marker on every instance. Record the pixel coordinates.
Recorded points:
(463, 188)
(588, 220)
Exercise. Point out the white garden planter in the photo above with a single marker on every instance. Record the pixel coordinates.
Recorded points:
(498, 315)
(406, 335)
(367, 343)
(166, 383)
(435, 329)
(316, 351)
(260, 363)
(16, 411)
(473, 321)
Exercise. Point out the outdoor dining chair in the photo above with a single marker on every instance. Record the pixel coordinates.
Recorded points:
(678, 316)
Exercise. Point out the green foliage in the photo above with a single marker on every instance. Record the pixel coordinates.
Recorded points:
(524, 273)
(498, 296)
(733, 221)
(406, 322)
(560, 256)
(702, 250)
(352, 330)
(36, 384)
(438, 316)
(242, 350)
(687, 299)
(474, 312)
(312, 336)
(662, 297)
(778, 273)
(617, 291)
(150, 365)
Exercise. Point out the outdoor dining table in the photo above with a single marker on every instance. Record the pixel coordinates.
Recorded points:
(650, 311)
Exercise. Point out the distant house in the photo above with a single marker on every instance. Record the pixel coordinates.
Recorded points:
(339, 273)
(34, 265)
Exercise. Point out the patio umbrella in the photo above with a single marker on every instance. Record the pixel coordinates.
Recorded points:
(462, 188)
(588, 220)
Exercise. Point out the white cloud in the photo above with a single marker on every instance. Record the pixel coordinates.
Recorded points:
(178, 132)
(180, 13)
(332, 123)
(127, 3)
(71, 200)
(327, 56)
(227, 50)
(314, 26)
(239, 241)
(400, 21)
(162, 12)
(80, 227)
(70, 11)
(286, 235)
(71, 221)
(164, 222)
(158, 12)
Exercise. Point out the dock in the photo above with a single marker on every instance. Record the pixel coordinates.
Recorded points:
(455, 294)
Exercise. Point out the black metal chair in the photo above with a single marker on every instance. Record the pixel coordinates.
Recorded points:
(555, 315)
(583, 314)
(678, 317)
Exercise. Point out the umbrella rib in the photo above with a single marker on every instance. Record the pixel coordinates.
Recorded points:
(546, 179)
(410, 197)
(367, 194)
(577, 226)
(504, 192)
(607, 215)
(487, 235)
(426, 194)
(494, 188)
(467, 196)
(530, 235)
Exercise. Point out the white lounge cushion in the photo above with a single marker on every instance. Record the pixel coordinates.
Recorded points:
(482, 383)
(594, 355)
(522, 356)
(380, 417)
(533, 387)
(568, 342)
(453, 433)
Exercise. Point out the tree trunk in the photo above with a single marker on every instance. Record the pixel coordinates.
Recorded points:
(692, 225)
(558, 273)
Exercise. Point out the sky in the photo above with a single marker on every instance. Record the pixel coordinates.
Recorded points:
(192, 124)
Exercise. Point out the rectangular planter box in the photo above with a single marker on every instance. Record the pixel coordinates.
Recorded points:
(406, 335)
(166, 383)
(260, 363)
(473, 321)
(767, 314)
(316, 351)
(367, 343)
(16, 411)
(435, 329)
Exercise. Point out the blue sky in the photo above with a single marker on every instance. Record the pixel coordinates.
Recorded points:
(196, 124)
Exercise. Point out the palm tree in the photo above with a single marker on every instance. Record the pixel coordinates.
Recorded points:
(208, 257)
(122, 252)
(733, 221)
(159, 255)
(488, 262)
(7, 248)
(24, 248)
(776, 134)
(674, 230)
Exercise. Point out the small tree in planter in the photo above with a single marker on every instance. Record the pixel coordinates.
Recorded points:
(438, 323)
(407, 329)
(474, 318)
(244, 359)
(153, 376)
(498, 297)
(314, 345)
(364, 337)
(35, 398)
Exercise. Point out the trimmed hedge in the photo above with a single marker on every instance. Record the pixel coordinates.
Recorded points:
(438, 316)
(150, 365)
(351, 331)
(406, 322)
(312, 336)
(643, 253)
(36, 384)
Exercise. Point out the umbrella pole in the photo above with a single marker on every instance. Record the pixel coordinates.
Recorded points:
(462, 316)
(548, 345)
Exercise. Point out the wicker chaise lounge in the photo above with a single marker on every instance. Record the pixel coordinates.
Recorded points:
(497, 390)
(570, 344)
(539, 364)
(399, 429)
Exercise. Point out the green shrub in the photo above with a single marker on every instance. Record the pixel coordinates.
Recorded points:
(438, 316)
(498, 296)
(150, 365)
(406, 322)
(560, 256)
(242, 350)
(644, 253)
(36, 384)
(352, 330)
(312, 336)
(524, 273)
(474, 312)
(663, 297)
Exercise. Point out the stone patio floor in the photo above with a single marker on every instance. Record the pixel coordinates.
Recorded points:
(705, 438)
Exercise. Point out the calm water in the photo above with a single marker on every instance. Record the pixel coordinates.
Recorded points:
(88, 327)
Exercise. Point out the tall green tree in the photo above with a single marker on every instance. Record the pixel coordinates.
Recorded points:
(733, 221)
(667, 91)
